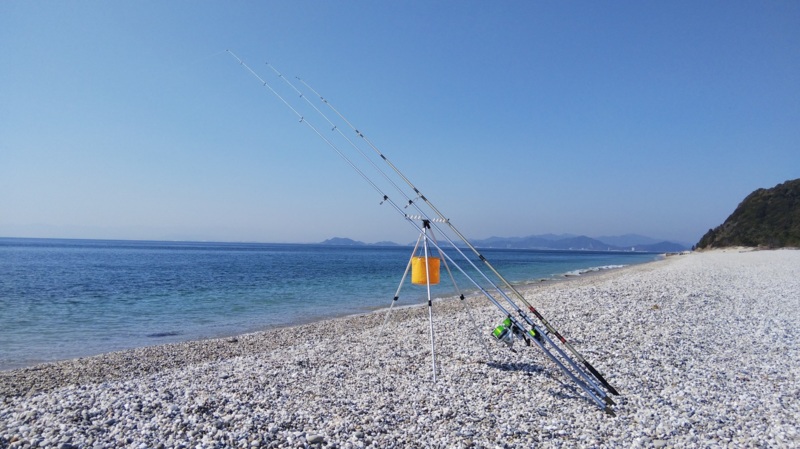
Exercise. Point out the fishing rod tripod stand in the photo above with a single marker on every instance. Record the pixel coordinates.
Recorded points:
(425, 271)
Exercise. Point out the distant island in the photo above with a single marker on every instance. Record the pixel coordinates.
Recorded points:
(630, 242)
(341, 241)
(564, 242)
(768, 218)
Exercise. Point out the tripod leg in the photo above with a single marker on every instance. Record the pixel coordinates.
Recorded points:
(433, 342)
(430, 305)
(399, 287)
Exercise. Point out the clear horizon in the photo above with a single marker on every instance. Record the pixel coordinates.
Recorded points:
(130, 121)
(564, 236)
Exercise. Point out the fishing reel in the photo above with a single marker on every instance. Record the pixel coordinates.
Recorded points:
(508, 331)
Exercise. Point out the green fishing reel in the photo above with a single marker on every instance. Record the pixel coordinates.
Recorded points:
(504, 333)
(508, 330)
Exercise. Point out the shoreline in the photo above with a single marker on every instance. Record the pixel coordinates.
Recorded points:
(470, 291)
(702, 348)
(115, 365)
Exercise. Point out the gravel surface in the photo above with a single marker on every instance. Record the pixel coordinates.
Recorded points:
(703, 348)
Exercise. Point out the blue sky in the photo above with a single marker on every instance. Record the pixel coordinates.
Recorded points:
(129, 119)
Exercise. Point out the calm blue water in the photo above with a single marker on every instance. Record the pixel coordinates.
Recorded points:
(63, 299)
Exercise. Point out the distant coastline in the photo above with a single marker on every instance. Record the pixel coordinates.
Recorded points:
(564, 242)
(343, 241)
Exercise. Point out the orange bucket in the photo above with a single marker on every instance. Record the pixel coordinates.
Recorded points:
(419, 273)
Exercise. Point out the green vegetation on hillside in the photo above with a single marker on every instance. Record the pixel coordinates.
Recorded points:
(767, 218)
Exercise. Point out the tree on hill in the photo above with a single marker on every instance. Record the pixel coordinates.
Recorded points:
(767, 217)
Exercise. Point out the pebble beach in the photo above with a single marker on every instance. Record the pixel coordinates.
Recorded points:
(704, 349)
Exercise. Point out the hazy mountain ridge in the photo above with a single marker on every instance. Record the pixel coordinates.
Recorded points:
(566, 242)
(631, 242)
(342, 241)
(628, 240)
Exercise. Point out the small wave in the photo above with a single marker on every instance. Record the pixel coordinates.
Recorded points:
(535, 281)
(591, 270)
(162, 334)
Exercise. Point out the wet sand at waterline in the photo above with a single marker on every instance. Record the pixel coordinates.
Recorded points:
(703, 348)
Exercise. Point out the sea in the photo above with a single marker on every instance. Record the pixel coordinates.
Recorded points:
(63, 299)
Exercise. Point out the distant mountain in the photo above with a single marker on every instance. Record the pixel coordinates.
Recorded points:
(636, 242)
(564, 242)
(630, 242)
(627, 240)
(341, 241)
(557, 236)
(384, 243)
(581, 242)
(767, 217)
(512, 242)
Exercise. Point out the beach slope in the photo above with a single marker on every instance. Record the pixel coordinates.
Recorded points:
(704, 349)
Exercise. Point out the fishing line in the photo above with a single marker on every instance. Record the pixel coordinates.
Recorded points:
(519, 295)
(360, 172)
(569, 361)
(419, 194)
(588, 390)
(336, 128)
(594, 392)
(310, 125)
(410, 202)
(339, 131)
(387, 178)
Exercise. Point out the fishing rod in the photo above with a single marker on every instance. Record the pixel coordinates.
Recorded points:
(592, 376)
(507, 284)
(583, 374)
(517, 328)
(398, 209)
